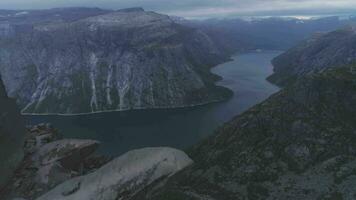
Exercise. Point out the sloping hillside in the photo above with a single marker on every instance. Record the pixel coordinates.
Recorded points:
(334, 49)
(298, 144)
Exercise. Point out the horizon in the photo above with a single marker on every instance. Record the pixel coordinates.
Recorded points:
(244, 17)
(203, 9)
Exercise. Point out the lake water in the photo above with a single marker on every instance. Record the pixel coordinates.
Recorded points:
(119, 132)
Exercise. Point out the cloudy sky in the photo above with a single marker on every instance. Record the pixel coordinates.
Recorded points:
(203, 8)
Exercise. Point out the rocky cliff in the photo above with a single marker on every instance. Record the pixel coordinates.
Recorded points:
(128, 59)
(12, 133)
(316, 54)
(298, 144)
(57, 168)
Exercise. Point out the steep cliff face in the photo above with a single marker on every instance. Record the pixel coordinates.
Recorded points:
(322, 51)
(298, 144)
(129, 59)
(12, 133)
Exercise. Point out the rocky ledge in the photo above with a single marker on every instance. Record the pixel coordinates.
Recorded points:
(49, 160)
(56, 168)
(123, 177)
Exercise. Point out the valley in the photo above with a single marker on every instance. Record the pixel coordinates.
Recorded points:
(122, 131)
(134, 104)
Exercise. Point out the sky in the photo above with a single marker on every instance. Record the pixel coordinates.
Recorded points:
(203, 8)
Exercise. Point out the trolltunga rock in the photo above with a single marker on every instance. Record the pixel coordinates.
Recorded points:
(123, 177)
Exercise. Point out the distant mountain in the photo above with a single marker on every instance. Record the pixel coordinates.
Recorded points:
(298, 144)
(264, 33)
(316, 54)
(19, 17)
(127, 59)
(13, 22)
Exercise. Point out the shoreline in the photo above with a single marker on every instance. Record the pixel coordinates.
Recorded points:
(229, 59)
(127, 110)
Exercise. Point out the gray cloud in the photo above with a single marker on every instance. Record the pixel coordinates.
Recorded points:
(201, 8)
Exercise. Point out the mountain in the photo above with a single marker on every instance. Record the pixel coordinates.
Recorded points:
(17, 21)
(12, 134)
(264, 33)
(127, 59)
(323, 51)
(298, 144)
(20, 17)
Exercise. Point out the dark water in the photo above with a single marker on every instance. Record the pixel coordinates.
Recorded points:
(179, 128)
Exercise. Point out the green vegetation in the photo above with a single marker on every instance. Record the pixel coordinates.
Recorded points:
(281, 145)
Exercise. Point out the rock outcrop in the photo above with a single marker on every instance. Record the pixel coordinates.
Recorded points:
(50, 160)
(123, 177)
(56, 168)
(128, 59)
(12, 134)
(323, 51)
(65, 151)
(299, 144)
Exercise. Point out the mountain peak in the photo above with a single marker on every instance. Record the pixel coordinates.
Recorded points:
(133, 9)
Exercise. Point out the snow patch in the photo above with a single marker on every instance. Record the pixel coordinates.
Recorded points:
(92, 62)
(21, 13)
(108, 85)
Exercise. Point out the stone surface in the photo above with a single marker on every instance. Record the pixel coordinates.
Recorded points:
(50, 160)
(69, 152)
(123, 177)
(40, 135)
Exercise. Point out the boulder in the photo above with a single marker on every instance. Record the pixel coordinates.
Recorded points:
(40, 135)
(123, 177)
(48, 164)
(68, 152)
(60, 160)
(51, 175)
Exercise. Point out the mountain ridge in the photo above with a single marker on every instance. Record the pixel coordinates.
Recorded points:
(279, 149)
(323, 51)
(116, 61)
